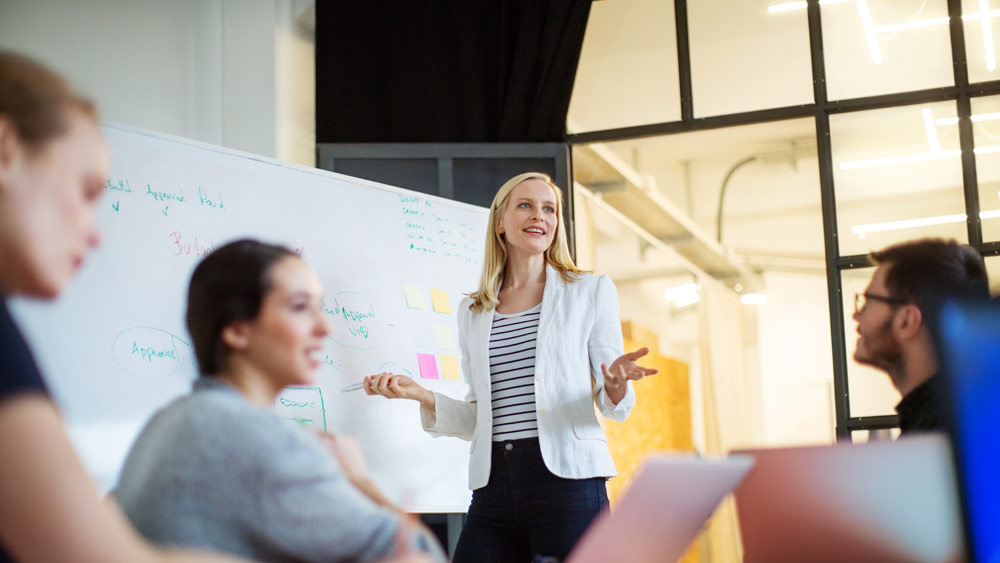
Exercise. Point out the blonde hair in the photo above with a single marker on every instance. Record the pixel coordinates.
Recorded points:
(495, 261)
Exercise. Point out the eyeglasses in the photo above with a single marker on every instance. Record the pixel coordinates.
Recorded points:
(861, 300)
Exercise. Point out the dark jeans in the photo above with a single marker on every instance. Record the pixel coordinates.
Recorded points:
(525, 511)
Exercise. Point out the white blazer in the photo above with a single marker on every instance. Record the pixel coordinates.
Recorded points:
(579, 329)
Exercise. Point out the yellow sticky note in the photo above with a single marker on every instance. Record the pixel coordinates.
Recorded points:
(414, 296)
(439, 298)
(442, 336)
(449, 366)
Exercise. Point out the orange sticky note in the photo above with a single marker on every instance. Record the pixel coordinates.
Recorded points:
(449, 366)
(439, 298)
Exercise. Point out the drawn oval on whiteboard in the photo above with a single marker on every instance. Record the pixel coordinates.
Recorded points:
(149, 353)
(355, 320)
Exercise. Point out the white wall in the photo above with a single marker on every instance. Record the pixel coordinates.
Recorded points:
(796, 356)
(202, 69)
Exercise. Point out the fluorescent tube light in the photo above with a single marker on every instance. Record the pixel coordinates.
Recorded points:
(914, 223)
(977, 15)
(681, 291)
(683, 295)
(912, 24)
(932, 137)
(753, 299)
(902, 159)
(976, 118)
(789, 6)
(866, 23)
(909, 158)
(991, 60)
(681, 303)
(786, 7)
(907, 224)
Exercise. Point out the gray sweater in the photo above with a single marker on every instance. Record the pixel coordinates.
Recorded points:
(213, 470)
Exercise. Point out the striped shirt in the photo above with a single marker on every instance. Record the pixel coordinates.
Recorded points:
(512, 374)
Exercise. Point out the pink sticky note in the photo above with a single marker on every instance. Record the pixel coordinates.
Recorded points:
(428, 366)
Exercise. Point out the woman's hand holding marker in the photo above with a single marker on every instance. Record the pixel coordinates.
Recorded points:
(394, 386)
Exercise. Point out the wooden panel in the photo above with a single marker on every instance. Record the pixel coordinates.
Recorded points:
(661, 419)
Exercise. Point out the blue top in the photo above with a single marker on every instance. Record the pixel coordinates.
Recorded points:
(18, 372)
(212, 470)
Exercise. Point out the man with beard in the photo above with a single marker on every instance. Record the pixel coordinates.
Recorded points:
(894, 326)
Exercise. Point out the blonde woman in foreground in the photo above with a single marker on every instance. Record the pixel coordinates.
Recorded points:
(541, 345)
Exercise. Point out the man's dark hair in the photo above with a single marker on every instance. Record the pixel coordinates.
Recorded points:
(927, 271)
(229, 285)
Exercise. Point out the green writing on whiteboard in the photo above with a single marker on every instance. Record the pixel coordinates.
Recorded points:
(119, 186)
(164, 196)
(205, 200)
(149, 353)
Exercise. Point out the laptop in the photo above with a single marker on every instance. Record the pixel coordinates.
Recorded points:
(660, 514)
(881, 502)
(969, 341)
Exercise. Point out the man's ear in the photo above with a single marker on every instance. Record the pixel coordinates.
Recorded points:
(909, 320)
(236, 335)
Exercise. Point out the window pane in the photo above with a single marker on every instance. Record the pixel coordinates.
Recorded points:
(773, 190)
(897, 176)
(870, 390)
(981, 35)
(986, 132)
(883, 46)
(744, 57)
(627, 73)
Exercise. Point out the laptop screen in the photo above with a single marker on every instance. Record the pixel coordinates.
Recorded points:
(970, 346)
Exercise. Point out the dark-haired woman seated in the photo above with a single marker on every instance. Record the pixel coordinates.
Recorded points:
(219, 468)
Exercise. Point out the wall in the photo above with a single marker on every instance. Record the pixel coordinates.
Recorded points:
(227, 72)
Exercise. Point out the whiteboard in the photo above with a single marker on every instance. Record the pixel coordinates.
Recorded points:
(114, 347)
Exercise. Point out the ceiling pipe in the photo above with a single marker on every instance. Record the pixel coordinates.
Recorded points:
(722, 193)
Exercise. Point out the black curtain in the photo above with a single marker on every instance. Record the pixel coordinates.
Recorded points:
(449, 71)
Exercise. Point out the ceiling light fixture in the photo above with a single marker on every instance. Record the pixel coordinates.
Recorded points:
(683, 295)
(789, 6)
(902, 159)
(753, 299)
(862, 230)
(786, 7)
(888, 28)
(984, 10)
(976, 118)
(932, 138)
(866, 23)
(986, 150)
(984, 15)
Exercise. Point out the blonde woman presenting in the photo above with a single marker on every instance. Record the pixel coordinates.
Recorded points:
(541, 344)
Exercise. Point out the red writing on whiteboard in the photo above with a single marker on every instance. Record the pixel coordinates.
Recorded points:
(183, 248)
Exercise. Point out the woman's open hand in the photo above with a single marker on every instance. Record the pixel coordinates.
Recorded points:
(624, 368)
